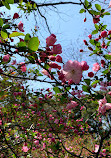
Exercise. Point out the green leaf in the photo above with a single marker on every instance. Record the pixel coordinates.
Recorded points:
(87, 81)
(68, 88)
(103, 27)
(82, 11)
(97, 27)
(98, 7)
(108, 43)
(15, 34)
(107, 57)
(86, 88)
(86, 3)
(33, 44)
(22, 44)
(46, 66)
(89, 6)
(27, 37)
(106, 13)
(6, 26)
(93, 42)
(57, 90)
(1, 22)
(6, 5)
(94, 32)
(105, 71)
(95, 82)
(94, 12)
(4, 35)
(10, 1)
(31, 59)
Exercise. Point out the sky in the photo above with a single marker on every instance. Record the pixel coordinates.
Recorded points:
(66, 23)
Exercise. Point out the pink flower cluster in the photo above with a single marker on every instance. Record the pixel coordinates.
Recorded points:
(6, 58)
(103, 106)
(25, 148)
(22, 67)
(96, 67)
(71, 105)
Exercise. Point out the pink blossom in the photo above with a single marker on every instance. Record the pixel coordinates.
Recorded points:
(102, 63)
(109, 93)
(20, 26)
(102, 101)
(6, 58)
(52, 58)
(14, 62)
(85, 42)
(45, 72)
(73, 70)
(0, 122)
(54, 65)
(59, 58)
(84, 65)
(57, 49)
(61, 75)
(96, 148)
(36, 142)
(56, 121)
(25, 149)
(51, 40)
(103, 85)
(90, 74)
(71, 105)
(15, 16)
(81, 50)
(90, 36)
(23, 68)
(96, 67)
(109, 32)
(103, 34)
(96, 19)
(104, 150)
(97, 39)
(103, 106)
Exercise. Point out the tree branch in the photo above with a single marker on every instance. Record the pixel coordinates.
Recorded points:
(46, 4)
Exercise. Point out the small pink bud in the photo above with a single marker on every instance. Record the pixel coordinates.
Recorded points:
(59, 58)
(15, 16)
(90, 36)
(90, 74)
(103, 34)
(20, 26)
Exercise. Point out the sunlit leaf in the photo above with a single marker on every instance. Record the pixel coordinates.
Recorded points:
(33, 44)
(15, 34)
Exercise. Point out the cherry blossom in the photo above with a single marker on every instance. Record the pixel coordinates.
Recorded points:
(15, 16)
(103, 106)
(71, 105)
(20, 26)
(6, 58)
(51, 40)
(57, 49)
(73, 70)
(96, 67)
(25, 149)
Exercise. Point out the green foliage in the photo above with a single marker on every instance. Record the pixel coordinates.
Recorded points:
(33, 44)
(98, 7)
(16, 34)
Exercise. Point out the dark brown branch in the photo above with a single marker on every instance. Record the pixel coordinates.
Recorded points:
(101, 142)
(46, 4)
(25, 78)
